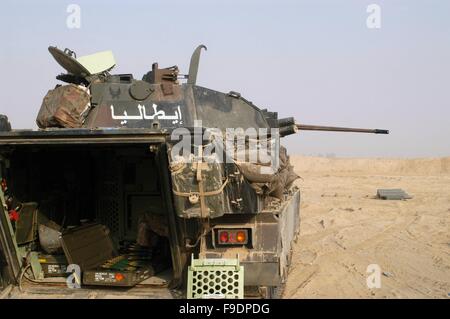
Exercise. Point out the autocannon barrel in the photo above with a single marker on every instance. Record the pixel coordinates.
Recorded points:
(288, 126)
(304, 127)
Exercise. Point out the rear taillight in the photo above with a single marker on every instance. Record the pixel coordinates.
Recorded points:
(223, 237)
(241, 237)
(232, 236)
(119, 276)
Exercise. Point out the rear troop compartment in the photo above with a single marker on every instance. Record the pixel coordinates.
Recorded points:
(73, 186)
(72, 183)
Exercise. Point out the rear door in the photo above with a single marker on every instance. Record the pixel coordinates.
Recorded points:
(9, 262)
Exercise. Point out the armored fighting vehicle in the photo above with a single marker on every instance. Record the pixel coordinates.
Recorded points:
(158, 185)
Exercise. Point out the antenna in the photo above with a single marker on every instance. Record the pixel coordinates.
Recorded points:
(193, 66)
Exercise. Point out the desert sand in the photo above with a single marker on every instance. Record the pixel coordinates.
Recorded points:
(344, 229)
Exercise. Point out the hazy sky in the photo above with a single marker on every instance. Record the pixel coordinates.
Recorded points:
(314, 60)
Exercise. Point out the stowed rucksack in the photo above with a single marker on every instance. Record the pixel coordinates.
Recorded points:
(64, 106)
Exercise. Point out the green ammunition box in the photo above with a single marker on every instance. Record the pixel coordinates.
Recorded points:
(90, 246)
(53, 265)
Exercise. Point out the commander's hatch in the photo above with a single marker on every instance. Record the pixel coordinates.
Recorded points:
(86, 65)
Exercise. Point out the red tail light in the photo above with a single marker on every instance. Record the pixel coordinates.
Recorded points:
(223, 237)
(119, 276)
(232, 236)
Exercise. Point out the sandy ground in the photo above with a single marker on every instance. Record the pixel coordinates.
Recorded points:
(344, 229)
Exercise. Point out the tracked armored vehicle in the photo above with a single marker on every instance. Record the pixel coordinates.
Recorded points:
(141, 183)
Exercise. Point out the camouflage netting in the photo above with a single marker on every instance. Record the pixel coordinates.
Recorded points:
(65, 106)
(271, 184)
